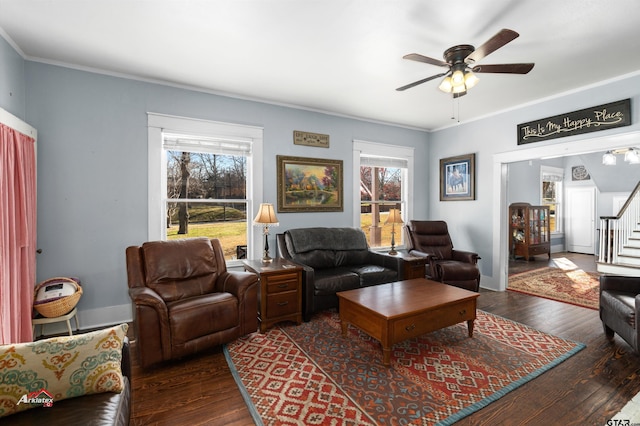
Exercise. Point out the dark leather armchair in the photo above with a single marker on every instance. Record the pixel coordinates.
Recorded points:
(185, 300)
(620, 307)
(430, 239)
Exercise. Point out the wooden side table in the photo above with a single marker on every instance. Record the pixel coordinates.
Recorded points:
(412, 266)
(280, 291)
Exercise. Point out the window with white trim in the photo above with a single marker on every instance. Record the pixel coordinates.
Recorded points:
(384, 182)
(206, 177)
(551, 179)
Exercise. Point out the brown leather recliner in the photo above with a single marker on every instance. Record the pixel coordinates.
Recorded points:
(620, 308)
(185, 300)
(431, 239)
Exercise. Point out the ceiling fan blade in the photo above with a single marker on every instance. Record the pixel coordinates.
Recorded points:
(425, 59)
(504, 68)
(503, 37)
(415, 83)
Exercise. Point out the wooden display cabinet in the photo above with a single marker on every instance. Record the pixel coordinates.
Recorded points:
(529, 230)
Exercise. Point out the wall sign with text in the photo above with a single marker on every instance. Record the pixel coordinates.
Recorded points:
(310, 139)
(601, 117)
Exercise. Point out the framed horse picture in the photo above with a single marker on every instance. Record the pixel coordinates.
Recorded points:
(458, 178)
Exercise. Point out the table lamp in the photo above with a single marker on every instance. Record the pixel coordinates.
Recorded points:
(393, 218)
(266, 217)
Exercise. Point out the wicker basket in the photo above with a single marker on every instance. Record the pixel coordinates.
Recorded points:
(60, 306)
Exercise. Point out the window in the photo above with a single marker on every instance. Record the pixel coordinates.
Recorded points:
(551, 195)
(205, 174)
(384, 181)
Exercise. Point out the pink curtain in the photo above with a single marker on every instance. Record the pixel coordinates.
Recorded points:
(17, 234)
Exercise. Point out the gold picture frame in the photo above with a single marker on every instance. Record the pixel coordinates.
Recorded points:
(309, 185)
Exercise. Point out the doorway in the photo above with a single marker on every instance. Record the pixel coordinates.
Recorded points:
(500, 253)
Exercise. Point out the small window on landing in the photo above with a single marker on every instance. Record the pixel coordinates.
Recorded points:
(551, 195)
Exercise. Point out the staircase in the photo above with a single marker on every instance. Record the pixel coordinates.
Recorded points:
(620, 239)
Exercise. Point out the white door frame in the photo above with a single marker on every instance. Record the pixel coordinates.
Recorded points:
(498, 280)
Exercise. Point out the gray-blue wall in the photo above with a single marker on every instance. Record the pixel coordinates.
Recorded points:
(12, 85)
(92, 168)
(473, 227)
(92, 163)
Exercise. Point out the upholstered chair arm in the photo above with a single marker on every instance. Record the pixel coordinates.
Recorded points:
(153, 339)
(620, 283)
(430, 257)
(243, 285)
(236, 282)
(465, 256)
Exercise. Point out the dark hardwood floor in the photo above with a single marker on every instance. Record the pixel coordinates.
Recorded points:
(586, 262)
(587, 389)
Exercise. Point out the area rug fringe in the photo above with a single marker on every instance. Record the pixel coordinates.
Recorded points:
(289, 365)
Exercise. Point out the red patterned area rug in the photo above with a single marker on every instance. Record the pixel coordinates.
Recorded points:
(309, 374)
(574, 286)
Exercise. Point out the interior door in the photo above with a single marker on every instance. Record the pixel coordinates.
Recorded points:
(580, 219)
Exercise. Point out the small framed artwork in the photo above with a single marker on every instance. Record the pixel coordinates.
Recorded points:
(309, 185)
(458, 178)
(579, 173)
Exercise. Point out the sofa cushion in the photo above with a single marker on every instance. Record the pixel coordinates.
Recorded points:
(330, 281)
(200, 316)
(306, 239)
(351, 257)
(317, 259)
(373, 274)
(59, 368)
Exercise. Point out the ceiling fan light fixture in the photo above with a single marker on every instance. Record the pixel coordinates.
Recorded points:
(608, 159)
(470, 79)
(631, 156)
(457, 78)
(446, 85)
(459, 88)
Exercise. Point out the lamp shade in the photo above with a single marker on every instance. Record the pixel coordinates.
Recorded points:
(394, 216)
(266, 216)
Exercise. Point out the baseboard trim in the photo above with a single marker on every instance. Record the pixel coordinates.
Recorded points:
(90, 319)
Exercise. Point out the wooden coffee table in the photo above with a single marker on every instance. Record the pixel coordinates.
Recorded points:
(391, 313)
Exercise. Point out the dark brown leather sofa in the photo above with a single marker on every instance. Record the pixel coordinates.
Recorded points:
(431, 239)
(185, 300)
(620, 308)
(100, 409)
(333, 260)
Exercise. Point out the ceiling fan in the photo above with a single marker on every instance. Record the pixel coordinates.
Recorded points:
(460, 60)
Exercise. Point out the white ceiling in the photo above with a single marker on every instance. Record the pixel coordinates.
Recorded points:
(338, 56)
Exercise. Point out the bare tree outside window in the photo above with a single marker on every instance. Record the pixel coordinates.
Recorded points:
(206, 196)
(380, 191)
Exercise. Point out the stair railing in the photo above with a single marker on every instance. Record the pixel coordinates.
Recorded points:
(615, 231)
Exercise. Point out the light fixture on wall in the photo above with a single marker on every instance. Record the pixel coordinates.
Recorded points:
(393, 218)
(631, 156)
(266, 217)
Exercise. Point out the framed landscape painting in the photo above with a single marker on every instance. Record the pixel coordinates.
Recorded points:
(309, 185)
(457, 178)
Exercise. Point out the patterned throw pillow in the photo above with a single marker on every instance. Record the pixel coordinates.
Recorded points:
(39, 373)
